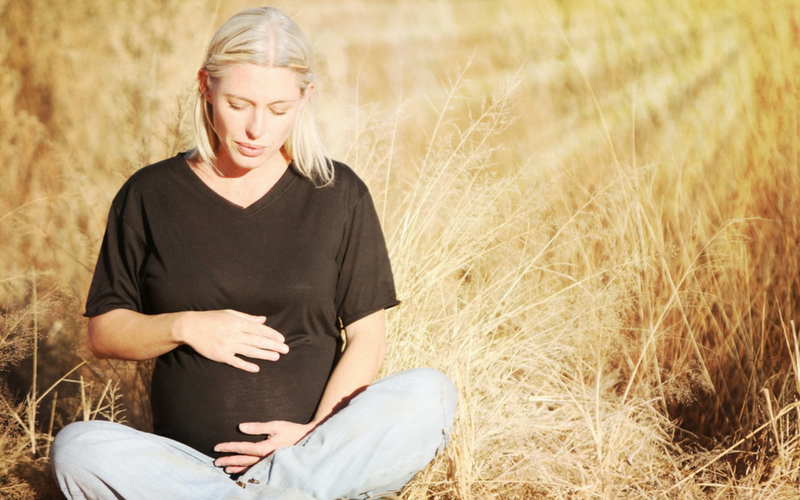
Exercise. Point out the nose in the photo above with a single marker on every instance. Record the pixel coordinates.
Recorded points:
(257, 124)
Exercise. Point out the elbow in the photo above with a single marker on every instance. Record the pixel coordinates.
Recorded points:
(368, 337)
(381, 351)
(94, 339)
(376, 352)
(371, 350)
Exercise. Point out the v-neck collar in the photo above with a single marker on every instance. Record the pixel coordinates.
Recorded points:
(285, 180)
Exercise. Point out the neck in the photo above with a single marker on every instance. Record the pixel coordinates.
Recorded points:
(241, 186)
(225, 168)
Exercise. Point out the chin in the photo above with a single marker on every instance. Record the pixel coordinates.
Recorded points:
(239, 160)
(249, 162)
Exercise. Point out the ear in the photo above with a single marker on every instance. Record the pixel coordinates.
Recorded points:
(202, 83)
(306, 95)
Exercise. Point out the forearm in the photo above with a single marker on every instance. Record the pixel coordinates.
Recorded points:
(129, 335)
(359, 364)
(225, 336)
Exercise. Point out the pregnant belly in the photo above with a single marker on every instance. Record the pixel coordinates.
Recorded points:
(201, 402)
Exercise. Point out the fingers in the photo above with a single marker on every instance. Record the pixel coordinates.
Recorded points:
(248, 317)
(236, 463)
(279, 433)
(239, 447)
(236, 470)
(259, 428)
(255, 325)
(270, 352)
(262, 331)
(244, 451)
(262, 336)
(229, 336)
(252, 352)
(266, 345)
(241, 364)
(261, 342)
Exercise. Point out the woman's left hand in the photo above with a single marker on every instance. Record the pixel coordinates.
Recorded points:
(279, 434)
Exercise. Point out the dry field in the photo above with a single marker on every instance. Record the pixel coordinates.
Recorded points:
(592, 209)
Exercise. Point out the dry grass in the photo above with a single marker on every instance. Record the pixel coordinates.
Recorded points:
(591, 209)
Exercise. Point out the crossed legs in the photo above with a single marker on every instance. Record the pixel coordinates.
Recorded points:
(375, 444)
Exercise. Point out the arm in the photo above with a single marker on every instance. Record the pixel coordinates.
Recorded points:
(216, 335)
(363, 356)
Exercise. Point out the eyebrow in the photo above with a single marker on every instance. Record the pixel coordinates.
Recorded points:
(284, 101)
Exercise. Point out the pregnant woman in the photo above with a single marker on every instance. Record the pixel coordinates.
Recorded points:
(237, 265)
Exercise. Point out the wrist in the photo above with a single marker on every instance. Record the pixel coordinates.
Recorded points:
(178, 329)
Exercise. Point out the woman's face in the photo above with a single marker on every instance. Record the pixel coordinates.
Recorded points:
(254, 110)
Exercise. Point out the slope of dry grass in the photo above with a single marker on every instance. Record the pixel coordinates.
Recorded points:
(591, 210)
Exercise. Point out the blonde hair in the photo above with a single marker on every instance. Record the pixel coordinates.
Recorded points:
(267, 37)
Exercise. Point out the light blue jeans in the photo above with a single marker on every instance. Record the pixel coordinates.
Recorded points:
(374, 445)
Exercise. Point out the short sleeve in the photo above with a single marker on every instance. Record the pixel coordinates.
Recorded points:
(116, 284)
(365, 284)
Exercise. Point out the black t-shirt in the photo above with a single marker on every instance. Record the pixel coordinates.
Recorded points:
(311, 259)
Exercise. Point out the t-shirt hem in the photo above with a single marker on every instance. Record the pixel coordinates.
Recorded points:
(107, 308)
(363, 314)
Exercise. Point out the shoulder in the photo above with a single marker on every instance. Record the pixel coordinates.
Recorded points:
(347, 181)
(158, 172)
(347, 189)
(153, 177)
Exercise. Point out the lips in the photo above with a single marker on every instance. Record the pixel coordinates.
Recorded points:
(249, 149)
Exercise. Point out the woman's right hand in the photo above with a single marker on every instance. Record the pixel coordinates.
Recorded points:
(222, 335)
